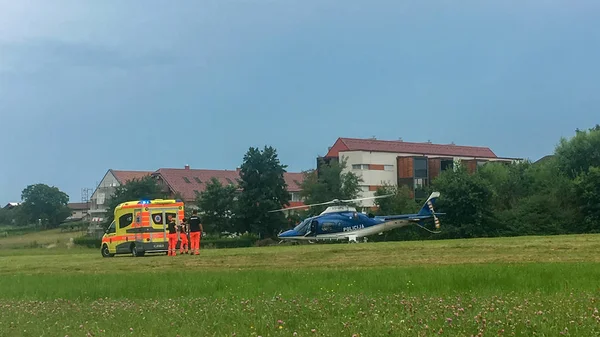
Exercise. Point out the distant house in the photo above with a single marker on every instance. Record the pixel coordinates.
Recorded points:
(12, 205)
(395, 162)
(544, 159)
(79, 211)
(187, 183)
(182, 183)
(106, 188)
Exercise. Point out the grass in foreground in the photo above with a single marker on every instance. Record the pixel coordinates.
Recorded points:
(325, 315)
(511, 286)
(571, 248)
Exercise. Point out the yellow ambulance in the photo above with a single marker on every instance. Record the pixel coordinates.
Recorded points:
(140, 227)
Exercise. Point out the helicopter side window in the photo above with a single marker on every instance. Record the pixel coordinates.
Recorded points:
(302, 228)
(330, 227)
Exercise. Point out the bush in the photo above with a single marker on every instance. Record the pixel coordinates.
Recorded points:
(72, 226)
(89, 242)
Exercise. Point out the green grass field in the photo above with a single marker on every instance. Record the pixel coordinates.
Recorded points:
(526, 286)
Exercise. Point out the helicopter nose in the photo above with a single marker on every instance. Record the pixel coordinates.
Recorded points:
(285, 234)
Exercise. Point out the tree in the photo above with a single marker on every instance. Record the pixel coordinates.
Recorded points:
(14, 216)
(578, 154)
(587, 187)
(540, 200)
(330, 182)
(136, 189)
(217, 202)
(466, 198)
(263, 189)
(509, 182)
(45, 203)
(400, 201)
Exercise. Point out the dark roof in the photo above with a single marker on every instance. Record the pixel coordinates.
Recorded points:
(544, 158)
(124, 176)
(78, 206)
(397, 146)
(187, 182)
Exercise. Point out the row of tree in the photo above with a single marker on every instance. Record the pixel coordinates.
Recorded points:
(44, 206)
(558, 195)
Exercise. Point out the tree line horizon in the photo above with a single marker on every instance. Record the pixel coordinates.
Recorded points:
(558, 195)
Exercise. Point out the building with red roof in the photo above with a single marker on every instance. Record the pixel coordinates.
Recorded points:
(396, 162)
(106, 188)
(187, 183)
(184, 183)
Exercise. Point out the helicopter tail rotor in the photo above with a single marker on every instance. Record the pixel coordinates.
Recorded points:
(428, 209)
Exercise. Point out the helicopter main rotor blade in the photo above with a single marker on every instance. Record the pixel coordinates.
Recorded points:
(368, 198)
(332, 202)
(302, 206)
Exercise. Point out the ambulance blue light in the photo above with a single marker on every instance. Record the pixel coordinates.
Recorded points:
(143, 202)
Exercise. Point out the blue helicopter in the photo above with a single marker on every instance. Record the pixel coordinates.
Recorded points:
(340, 221)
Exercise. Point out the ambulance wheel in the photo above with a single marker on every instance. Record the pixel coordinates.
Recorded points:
(106, 252)
(135, 252)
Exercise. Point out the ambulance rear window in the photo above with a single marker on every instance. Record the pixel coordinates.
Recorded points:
(157, 218)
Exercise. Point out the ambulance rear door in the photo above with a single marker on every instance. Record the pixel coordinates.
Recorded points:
(158, 219)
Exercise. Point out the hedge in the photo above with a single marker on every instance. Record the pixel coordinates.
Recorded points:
(88, 242)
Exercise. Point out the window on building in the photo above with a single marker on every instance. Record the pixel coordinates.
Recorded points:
(388, 167)
(198, 180)
(419, 187)
(446, 164)
(420, 165)
(100, 199)
(296, 196)
(360, 166)
(419, 183)
(187, 180)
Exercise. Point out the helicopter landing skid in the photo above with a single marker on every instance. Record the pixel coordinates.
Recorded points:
(352, 239)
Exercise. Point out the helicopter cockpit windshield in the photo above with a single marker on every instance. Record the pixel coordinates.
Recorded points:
(303, 227)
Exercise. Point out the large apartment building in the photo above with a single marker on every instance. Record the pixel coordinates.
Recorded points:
(384, 162)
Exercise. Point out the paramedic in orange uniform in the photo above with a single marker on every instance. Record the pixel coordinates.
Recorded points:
(172, 228)
(195, 232)
(183, 230)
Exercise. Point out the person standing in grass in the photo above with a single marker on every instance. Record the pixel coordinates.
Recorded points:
(172, 228)
(183, 232)
(195, 232)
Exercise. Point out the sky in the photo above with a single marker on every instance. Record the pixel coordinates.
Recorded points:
(87, 86)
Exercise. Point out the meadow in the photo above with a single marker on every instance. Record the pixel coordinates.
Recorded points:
(522, 286)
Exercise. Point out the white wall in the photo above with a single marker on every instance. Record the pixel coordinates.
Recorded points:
(372, 177)
(377, 177)
(103, 192)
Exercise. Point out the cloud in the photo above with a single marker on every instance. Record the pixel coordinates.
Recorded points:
(56, 55)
